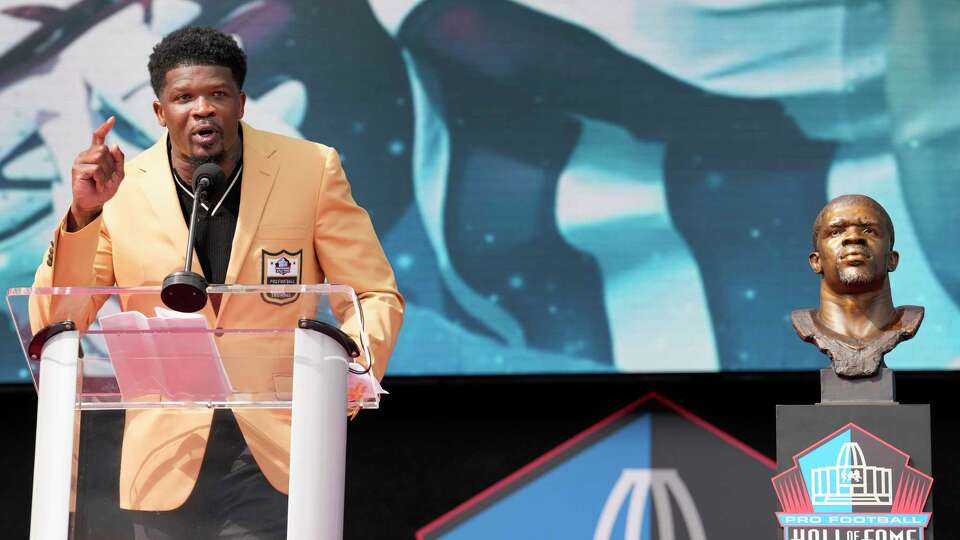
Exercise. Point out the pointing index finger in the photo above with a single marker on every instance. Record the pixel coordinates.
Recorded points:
(100, 134)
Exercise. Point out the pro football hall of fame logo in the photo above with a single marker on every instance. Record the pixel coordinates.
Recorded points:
(852, 485)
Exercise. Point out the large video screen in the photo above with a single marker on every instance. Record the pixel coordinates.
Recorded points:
(562, 186)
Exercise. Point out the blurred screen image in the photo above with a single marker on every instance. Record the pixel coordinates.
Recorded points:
(561, 186)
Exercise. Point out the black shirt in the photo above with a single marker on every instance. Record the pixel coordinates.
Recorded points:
(216, 223)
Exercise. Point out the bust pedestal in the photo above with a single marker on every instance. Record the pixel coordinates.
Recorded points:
(857, 429)
(878, 389)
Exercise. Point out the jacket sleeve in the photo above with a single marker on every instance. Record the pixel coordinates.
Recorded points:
(350, 253)
(79, 259)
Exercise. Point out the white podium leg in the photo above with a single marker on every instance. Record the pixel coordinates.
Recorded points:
(318, 439)
(53, 457)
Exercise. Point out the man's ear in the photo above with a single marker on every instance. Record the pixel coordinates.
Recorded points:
(158, 112)
(243, 102)
(893, 260)
(814, 260)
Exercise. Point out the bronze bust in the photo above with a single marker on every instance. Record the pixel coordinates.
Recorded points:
(856, 323)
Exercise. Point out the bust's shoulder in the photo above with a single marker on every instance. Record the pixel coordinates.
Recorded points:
(803, 322)
(910, 319)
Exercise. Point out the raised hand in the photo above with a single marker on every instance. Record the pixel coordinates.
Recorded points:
(95, 177)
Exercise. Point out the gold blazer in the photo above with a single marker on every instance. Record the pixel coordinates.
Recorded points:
(294, 196)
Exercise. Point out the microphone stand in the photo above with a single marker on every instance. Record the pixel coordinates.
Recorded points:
(186, 291)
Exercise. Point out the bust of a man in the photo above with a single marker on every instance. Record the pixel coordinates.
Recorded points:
(856, 323)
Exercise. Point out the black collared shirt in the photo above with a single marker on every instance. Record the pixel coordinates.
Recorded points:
(216, 224)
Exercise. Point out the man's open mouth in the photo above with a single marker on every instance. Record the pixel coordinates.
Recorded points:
(206, 135)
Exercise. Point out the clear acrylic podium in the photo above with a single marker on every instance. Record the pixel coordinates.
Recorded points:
(295, 353)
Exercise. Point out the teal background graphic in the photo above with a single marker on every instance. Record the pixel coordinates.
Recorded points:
(561, 187)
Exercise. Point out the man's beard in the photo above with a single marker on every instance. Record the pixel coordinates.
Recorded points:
(197, 161)
(859, 276)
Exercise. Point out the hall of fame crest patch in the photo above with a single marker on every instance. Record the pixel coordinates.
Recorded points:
(852, 485)
(280, 268)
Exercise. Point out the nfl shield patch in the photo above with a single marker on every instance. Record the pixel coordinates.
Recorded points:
(280, 268)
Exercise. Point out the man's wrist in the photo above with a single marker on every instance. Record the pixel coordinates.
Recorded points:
(78, 219)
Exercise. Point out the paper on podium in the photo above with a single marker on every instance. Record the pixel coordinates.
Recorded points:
(131, 351)
(362, 387)
(172, 355)
(162, 356)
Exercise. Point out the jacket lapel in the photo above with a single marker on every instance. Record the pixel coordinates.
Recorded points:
(158, 186)
(259, 174)
(160, 191)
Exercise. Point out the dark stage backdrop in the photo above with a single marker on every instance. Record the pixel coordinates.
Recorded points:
(437, 443)
(561, 186)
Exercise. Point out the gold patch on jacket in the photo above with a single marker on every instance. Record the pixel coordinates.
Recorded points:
(280, 268)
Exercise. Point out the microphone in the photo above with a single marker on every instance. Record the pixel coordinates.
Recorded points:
(186, 291)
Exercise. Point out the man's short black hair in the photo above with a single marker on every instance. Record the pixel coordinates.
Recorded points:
(196, 46)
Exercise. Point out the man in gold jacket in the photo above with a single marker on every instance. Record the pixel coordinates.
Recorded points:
(283, 197)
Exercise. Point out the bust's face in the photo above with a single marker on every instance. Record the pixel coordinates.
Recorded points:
(853, 248)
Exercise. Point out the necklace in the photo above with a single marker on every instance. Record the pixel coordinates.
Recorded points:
(182, 185)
